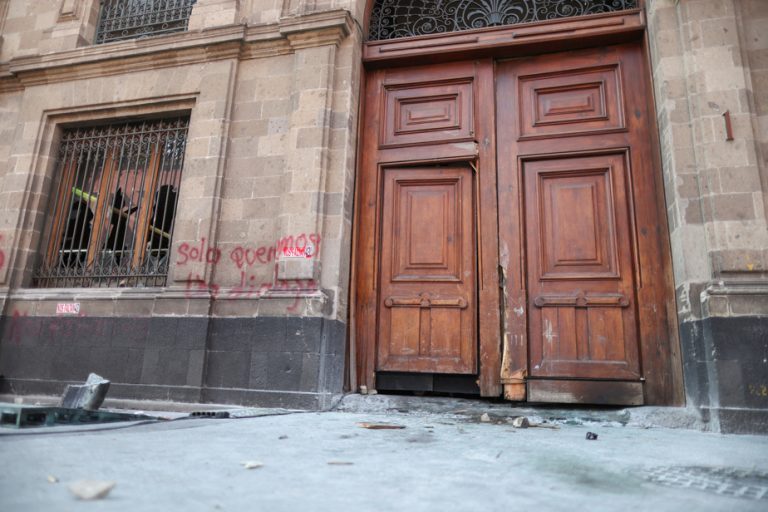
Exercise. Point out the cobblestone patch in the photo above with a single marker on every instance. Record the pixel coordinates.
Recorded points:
(733, 482)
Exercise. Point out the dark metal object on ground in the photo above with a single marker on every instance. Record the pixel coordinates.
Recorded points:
(591, 436)
(209, 414)
(23, 416)
(88, 396)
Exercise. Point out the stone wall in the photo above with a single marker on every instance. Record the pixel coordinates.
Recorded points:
(708, 60)
(272, 90)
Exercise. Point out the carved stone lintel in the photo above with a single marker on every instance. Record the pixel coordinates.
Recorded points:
(316, 30)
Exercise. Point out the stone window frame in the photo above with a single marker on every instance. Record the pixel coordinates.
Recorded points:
(31, 248)
(110, 153)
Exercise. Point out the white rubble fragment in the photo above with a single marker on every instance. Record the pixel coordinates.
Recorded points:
(521, 422)
(91, 489)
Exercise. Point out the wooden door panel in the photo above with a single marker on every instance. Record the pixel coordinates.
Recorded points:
(423, 250)
(581, 276)
(577, 230)
(570, 101)
(418, 113)
(427, 299)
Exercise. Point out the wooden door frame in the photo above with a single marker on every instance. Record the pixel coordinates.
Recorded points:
(659, 344)
(372, 162)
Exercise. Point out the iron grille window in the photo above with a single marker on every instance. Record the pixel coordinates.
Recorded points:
(113, 211)
(391, 19)
(130, 19)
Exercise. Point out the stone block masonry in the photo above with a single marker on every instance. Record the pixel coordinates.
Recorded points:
(707, 66)
(254, 310)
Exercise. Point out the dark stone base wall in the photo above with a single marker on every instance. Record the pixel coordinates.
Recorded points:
(273, 362)
(725, 363)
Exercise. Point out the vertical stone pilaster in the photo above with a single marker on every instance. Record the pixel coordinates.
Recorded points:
(75, 26)
(715, 197)
(302, 201)
(3, 14)
(702, 54)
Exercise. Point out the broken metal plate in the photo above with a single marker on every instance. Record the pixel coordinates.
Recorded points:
(25, 416)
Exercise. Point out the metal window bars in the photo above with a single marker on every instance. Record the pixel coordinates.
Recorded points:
(391, 19)
(130, 19)
(114, 208)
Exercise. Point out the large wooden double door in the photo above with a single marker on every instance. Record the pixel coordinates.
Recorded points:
(510, 228)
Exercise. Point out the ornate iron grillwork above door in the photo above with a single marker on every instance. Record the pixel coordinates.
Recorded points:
(391, 19)
(131, 19)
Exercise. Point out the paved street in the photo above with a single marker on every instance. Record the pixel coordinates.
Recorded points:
(327, 462)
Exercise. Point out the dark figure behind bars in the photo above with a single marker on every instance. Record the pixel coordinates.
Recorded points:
(118, 225)
(162, 221)
(74, 247)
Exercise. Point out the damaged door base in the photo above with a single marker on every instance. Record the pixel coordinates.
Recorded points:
(514, 386)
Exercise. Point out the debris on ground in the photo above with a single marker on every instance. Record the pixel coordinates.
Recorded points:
(591, 436)
(422, 437)
(219, 415)
(52, 479)
(485, 418)
(92, 489)
(88, 396)
(340, 463)
(544, 425)
(380, 426)
(283, 437)
(252, 464)
(521, 422)
(26, 416)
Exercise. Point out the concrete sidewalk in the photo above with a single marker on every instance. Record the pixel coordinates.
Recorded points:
(327, 462)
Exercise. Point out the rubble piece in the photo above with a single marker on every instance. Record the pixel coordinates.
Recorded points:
(88, 396)
(521, 422)
(485, 418)
(340, 463)
(380, 426)
(591, 436)
(283, 437)
(92, 489)
(252, 464)
(544, 425)
(52, 479)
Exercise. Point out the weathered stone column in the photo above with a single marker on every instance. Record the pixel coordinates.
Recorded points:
(308, 141)
(715, 181)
